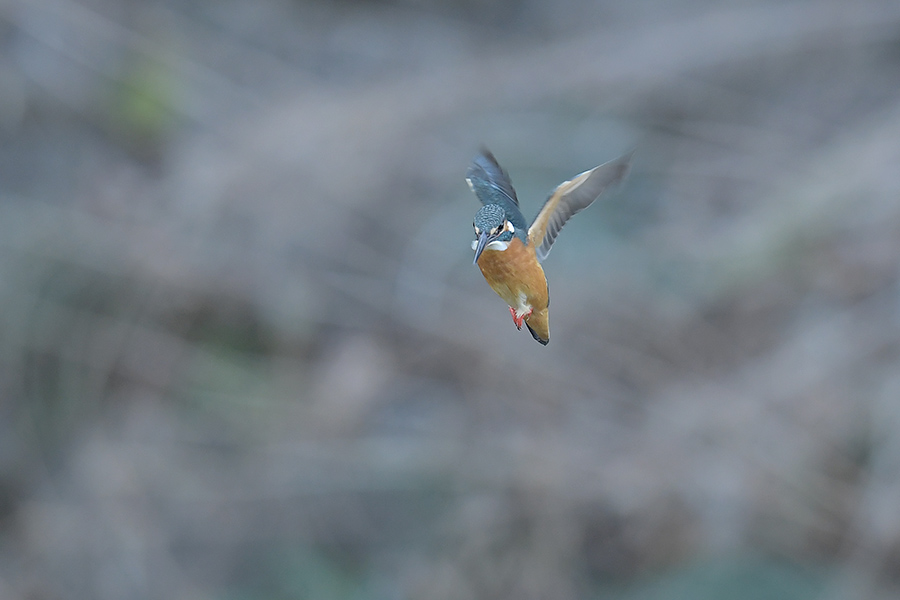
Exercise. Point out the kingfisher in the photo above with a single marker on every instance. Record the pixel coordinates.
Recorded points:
(508, 252)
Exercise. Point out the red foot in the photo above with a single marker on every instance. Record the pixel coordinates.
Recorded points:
(516, 319)
(519, 321)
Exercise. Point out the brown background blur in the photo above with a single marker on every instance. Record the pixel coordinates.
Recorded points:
(244, 353)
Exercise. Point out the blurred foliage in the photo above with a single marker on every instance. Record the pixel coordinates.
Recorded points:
(740, 578)
(142, 107)
(299, 573)
(244, 353)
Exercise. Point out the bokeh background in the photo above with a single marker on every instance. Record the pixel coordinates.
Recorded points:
(244, 353)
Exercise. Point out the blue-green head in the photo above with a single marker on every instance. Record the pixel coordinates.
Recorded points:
(491, 225)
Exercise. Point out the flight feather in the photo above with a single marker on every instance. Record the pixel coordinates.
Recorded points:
(571, 197)
(492, 185)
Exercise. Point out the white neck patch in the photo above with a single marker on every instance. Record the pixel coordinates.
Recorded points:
(495, 245)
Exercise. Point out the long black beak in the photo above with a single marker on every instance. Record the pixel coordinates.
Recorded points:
(484, 238)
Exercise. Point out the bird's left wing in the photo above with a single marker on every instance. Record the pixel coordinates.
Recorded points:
(569, 198)
(491, 185)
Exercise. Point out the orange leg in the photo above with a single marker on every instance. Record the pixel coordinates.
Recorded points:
(516, 319)
(519, 321)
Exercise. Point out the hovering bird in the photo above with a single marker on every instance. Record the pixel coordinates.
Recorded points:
(508, 252)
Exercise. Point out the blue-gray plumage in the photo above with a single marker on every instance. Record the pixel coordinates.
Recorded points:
(491, 217)
(491, 185)
(491, 225)
(508, 255)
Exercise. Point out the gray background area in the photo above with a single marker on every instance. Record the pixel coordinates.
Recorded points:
(244, 353)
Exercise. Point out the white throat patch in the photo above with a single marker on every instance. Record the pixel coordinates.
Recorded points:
(495, 245)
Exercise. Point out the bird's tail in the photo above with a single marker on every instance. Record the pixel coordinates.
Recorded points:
(538, 324)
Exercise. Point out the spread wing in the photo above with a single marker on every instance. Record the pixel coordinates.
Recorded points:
(571, 197)
(491, 185)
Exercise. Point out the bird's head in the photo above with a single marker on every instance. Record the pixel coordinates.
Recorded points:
(491, 225)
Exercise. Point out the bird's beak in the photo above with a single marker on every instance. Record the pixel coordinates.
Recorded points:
(484, 239)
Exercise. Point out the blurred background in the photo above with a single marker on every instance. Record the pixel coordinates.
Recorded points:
(244, 353)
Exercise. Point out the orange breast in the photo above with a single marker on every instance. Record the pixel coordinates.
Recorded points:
(515, 273)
